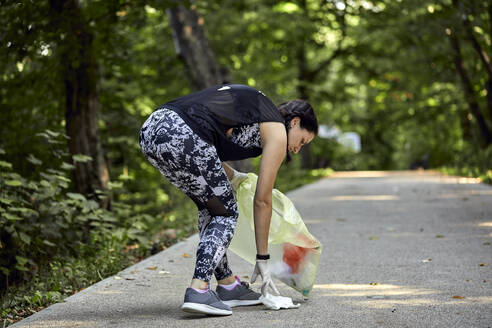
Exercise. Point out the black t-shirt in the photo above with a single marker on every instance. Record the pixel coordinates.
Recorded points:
(213, 111)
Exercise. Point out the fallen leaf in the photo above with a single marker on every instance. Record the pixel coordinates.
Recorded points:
(152, 267)
(164, 272)
(483, 264)
(134, 271)
(341, 220)
(439, 236)
(373, 238)
(117, 277)
(468, 280)
(487, 243)
(128, 278)
(187, 255)
(427, 260)
(245, 277)
(131, 247)
(485, 280)
(373, 283)
(459, 297)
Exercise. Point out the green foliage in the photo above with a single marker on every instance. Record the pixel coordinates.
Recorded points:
(471, 164)
(63, 277)
(42, 219)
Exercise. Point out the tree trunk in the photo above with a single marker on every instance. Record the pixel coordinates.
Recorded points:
(197, 55)
(468, 90)
(193, 48)
(79, 72)
(481, 53)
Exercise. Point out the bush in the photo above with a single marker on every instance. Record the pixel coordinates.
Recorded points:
(41, 219)
(472, 163)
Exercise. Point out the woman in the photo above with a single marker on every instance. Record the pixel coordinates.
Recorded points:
(189, 139)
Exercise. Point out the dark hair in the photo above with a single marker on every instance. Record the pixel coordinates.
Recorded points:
(303, 110)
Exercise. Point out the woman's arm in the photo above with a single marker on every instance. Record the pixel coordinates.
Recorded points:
(274, 141)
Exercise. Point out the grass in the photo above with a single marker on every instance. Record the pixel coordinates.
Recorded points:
(61, 278)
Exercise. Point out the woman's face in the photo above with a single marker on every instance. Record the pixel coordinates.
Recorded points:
(298, 136)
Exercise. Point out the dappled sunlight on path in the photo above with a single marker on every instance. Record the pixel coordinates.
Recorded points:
(377, 295)
(364, 197)
(428, 175)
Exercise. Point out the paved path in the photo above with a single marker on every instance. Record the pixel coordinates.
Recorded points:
(403, 249)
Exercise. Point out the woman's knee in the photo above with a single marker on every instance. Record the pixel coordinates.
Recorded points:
(218, 207)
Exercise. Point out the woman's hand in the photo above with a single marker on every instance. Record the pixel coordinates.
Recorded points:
(261, 268)
(237, 178)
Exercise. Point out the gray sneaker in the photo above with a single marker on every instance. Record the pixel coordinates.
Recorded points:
(239, 296)
(206, 303)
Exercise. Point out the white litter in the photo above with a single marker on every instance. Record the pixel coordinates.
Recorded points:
(273, 302)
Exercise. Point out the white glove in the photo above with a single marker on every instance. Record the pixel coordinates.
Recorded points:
(237, 178)
(261, 268)
(278, 302)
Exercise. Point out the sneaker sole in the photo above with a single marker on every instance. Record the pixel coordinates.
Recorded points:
(203, 309)
(234, 303)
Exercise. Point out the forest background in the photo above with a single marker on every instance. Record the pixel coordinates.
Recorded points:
(79, 202)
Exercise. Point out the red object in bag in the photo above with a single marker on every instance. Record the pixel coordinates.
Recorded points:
(294, 256)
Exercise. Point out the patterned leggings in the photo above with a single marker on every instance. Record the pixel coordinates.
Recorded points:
(193, 166)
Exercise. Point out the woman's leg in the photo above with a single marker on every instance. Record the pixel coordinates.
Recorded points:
(217, 233)
(193, 166)
(222, 271)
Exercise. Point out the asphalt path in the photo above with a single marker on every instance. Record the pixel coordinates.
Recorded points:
(400, 249)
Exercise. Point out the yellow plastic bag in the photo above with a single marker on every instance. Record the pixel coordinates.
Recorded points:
(294, 252)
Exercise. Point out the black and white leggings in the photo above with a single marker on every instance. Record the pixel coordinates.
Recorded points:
(193, 166)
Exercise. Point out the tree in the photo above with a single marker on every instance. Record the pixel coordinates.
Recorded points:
(193, 49)
(78, 69)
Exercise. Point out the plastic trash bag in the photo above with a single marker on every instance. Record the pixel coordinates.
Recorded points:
(294, 252)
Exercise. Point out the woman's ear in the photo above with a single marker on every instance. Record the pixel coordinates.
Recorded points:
(295, 121)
